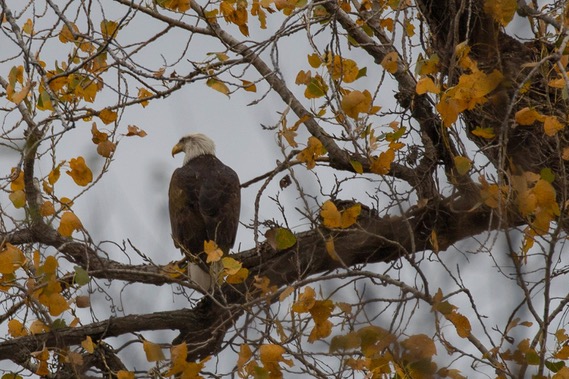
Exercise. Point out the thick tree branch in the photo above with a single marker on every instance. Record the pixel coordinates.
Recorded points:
(372, 240)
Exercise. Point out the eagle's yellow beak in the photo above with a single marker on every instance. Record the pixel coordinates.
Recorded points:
(178, 148)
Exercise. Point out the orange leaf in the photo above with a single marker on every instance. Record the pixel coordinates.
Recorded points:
(331, 217)
(305, 301)
(501, 10)
(487, 133)
(80, 173)
(11, 258)
(382, 164)
(249, 86)
(108, 116)
(134, 130)
(425, 85)
(88, 345)
(68, 224)
(109, 29)
(551, 125)
(143, 93)
(153, 351)
(389, 62)
(16, 328)
(313, 150)
(214, 253)
(47, 208)
(527, 116)
(123, 374)
(461, 324)
(56, 304)
(356, 102)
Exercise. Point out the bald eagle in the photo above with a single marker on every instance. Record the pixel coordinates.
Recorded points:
(204, 198)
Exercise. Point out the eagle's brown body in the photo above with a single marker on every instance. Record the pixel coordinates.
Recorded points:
(204, 202)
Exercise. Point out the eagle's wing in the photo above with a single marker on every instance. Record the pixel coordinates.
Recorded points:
(220, 203)
(188, 227)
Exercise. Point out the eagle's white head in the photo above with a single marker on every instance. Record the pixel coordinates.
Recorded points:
(194, 145)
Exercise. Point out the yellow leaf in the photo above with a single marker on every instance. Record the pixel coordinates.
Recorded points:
(350, 215)
(80, 173)
(382, 164)
(153, 351)
(16, 328)
(461, 324)
(65, 35)
(419, 346)
(47, 209)
(425, 85)
(109, 29)
(28, 27)
(563, 353)
(230, 266)
(551, 125)
(305, 301)
(389, 62)
(57, 304)
(356, 102)
(462, 165)
(313, 150)
(501, 10)
(245, 354)
(178, 354)
(238, 277)
(557, 83)
(527, 116)
(409, 28)
(54, 174)
(303, 77)
(68, 224)
(108, 116)
(88, 345)
(331, 217)
(449, 108)
(271, 353)
(143, 93)
(17, 183)
(214, 253)
(17, 96)
(18, 198)
(11, 258)
(218, 85)
(314, 60)
(38, 327)
(345, 69)
(428, 66)
(331, 249)
(286, 293)
(563, 373)
(487, 133)
(249, 86)
(565, 154)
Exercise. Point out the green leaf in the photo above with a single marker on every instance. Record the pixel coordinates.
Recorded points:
(554, 366)
(81, 276)
(284, 239)
(547, 175)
